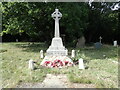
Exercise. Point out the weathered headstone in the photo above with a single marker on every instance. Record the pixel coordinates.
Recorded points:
(31, 64)
(81, 42)
(16, 40)
(115, 43)
(97, 45)
(41, 54)
(81, 64)
(73, 54)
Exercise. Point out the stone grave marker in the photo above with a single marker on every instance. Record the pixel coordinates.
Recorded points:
(97, 45)
(31, 64)
(16, 40)
(81, 64)
(73, 54)
(115, 43)
(81, 42)
(41, 54)
(100, 38)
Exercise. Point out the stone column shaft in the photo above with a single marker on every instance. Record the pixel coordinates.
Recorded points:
(57, 33)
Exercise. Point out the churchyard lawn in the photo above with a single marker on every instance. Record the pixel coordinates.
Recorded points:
(101, 65)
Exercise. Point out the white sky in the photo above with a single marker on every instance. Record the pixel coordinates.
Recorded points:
(116, 7)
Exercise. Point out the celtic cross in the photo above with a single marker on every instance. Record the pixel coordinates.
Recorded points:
(56, 16)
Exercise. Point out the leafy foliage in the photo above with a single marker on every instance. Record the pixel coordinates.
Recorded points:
(79, 19)
(103, 21)
(34, 19)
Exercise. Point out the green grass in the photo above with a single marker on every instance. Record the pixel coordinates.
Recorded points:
(102, 71)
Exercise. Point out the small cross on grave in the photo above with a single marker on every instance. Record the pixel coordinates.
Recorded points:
(100, 38)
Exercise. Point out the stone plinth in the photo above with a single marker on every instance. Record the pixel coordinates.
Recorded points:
(57, 47)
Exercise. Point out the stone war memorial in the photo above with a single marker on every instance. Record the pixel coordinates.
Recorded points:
(56, 54)
(54, 44)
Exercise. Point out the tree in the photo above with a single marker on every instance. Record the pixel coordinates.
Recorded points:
(79, 19)
(103, 21)
(35, 19)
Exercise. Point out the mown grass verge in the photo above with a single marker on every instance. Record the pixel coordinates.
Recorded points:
(101, 71)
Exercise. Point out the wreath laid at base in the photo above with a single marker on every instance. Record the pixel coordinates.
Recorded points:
(56, 61)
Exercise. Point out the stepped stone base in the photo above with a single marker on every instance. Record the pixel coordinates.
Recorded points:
(57, 48)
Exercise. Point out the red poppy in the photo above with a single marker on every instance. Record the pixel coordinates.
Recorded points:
(57, 63)
(66, 62)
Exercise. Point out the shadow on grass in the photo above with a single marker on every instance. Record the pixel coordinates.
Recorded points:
(32, 47)
(105, 52)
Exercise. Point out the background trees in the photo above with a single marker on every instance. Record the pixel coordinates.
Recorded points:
(103, 21)
(33, 21)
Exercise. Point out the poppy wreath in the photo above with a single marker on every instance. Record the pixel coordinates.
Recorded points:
(47, 63)
(57, 63)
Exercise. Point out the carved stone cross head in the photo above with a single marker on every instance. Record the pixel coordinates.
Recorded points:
(56, 15)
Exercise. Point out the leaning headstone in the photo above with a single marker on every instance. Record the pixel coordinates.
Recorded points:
(115, 43)
(41, 54)
(81, 42)
(73, 54)
(31, 64)
(81, 64)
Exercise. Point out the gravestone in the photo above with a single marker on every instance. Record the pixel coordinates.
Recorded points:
(97, 45)
(81, 42)
(115, 43)
(73, 54)
(16, 40)
(56, 47)
(81, 64)
(41, 54)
